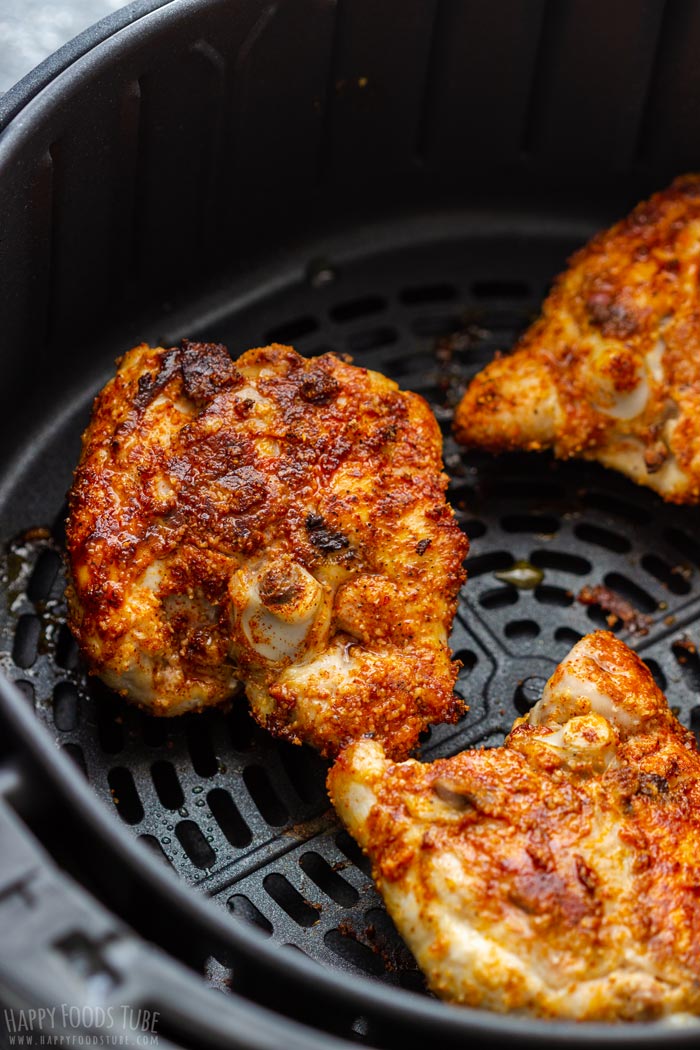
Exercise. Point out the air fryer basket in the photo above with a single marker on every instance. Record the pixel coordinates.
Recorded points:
(397, 181)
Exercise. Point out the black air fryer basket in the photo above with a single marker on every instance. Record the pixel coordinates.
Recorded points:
(397, 180)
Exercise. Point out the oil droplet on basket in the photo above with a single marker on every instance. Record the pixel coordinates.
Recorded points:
(165, 840)
(199, 802)
(521, 574)
(197, 789)
(183, 811)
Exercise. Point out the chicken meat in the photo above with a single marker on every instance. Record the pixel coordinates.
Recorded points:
(558, 875)
(276, 521)
(611, 369)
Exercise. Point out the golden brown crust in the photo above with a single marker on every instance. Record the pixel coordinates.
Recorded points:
(611, 369)
(558, 875)
(276, 520)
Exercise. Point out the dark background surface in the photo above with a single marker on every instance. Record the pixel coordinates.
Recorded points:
(31, 30)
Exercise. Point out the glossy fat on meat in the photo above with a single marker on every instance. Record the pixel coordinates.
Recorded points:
(611, 369)
(558, 875)
(277, 522)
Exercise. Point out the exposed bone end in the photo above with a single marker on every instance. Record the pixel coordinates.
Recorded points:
(512, 404)
(620, 388)
(278, 610)
(601, 676)
(586, 744)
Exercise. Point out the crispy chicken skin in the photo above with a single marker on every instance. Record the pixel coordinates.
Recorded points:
(558, 875)
(275, 521)
(611, 369)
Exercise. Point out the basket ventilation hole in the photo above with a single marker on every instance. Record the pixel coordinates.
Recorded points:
(518, 629)
(474, 528)
(634, 594)
(65, 706)
(241, 728)
(384, 938)
(684, 544)
(413, 981)
(501, 289)
(264, 796)
(544, 524)
(567, 635)
(560, 561)
(226, 815)
(468, 660)
(246, 910)
(435, 325)
(194, 844)
(125, 795)
(307, 773)
(154, 731)
(167, 785)
(499, 597)
(695, 722)
(368, 304)
(673, 578)
(109, 730)
(58, 528)
(26, 641)
(528, 692)
(66, 653)
(657, 674)
(200, 748)
(513, 488)
(412, 365)
(290, 331)
(461, 496)
(494, 561)
(44, 576)
(418, 295)
(610, 541)
(346, 946)
(548, 595)
(689, 663)
(75, 753)
(155, 847)
(604, 620)
(349, 848)
(616, 508)
(290, 900)
(27, 691)
(328, 880)
(371, 339)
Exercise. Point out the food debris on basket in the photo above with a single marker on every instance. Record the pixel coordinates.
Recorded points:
(618, 609)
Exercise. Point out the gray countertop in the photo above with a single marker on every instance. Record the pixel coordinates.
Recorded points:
(31, 30)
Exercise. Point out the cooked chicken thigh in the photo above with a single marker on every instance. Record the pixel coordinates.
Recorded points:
(611, 370)
(277, 521)
(558, 875)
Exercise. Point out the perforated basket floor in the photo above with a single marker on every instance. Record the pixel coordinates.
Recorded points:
(247, 819)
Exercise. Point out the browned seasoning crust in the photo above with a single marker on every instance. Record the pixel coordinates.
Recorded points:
(275, 520)
(558, 875)
(611, 369)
